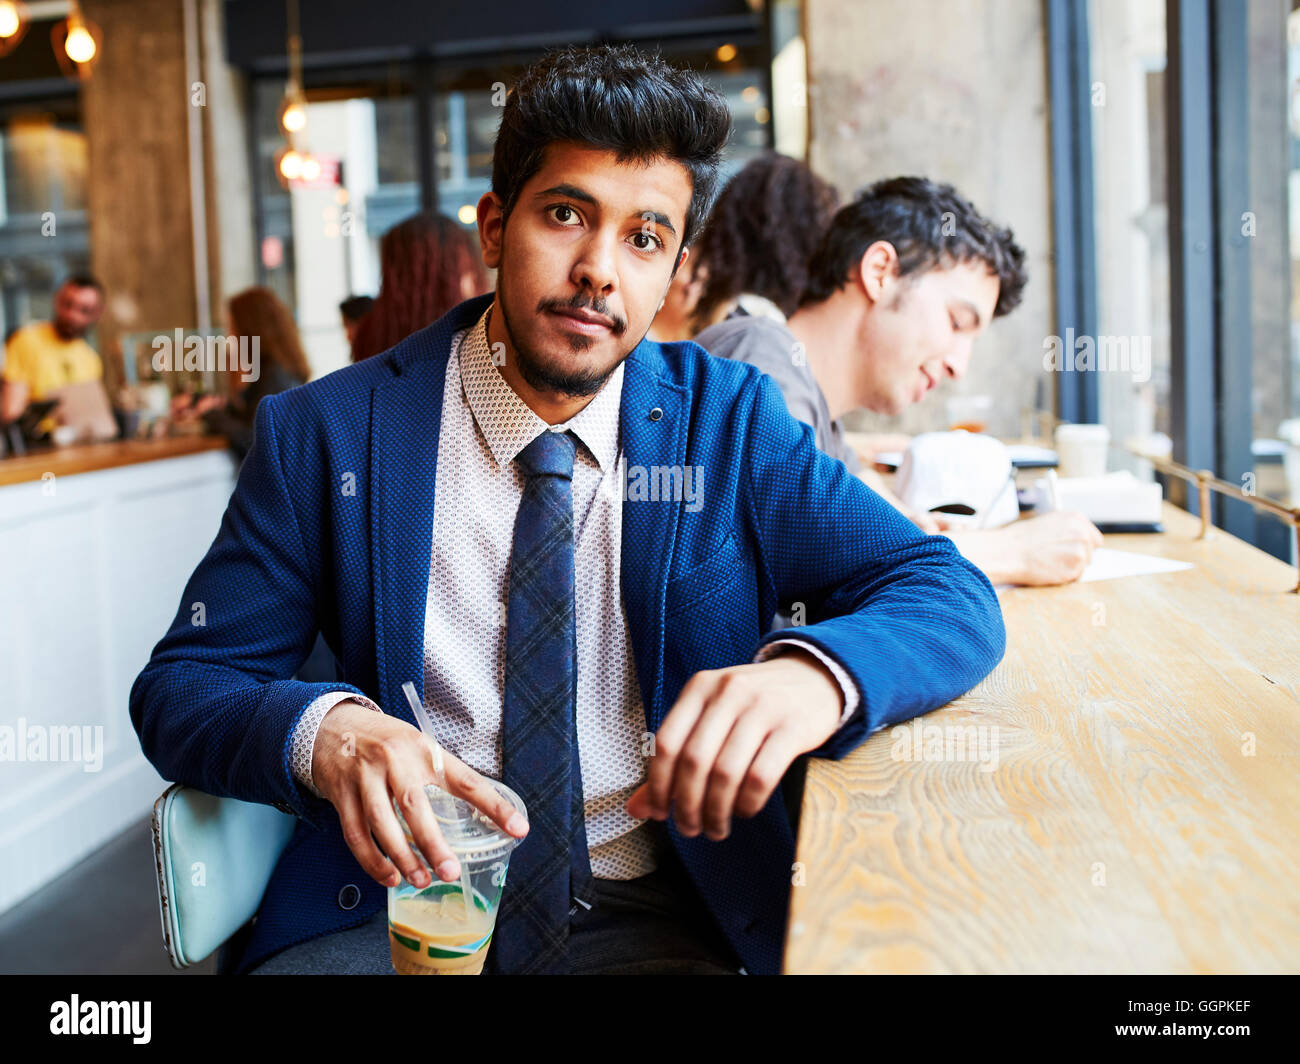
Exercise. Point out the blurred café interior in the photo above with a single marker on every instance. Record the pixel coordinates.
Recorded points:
(175, 173)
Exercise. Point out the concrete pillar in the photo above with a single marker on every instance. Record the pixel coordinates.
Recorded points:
(136, 107)
(954, 90)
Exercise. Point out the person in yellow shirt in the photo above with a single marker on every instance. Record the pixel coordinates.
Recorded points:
(46, 355)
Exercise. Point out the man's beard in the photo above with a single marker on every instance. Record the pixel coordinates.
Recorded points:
(543, 378)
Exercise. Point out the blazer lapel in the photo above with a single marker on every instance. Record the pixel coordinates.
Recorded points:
(405, 419)
(653, 419)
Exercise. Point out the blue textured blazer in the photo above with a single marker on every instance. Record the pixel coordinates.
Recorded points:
(329, 529)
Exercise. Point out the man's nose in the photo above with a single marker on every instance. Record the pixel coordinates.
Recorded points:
(958, 361)
(595, 265)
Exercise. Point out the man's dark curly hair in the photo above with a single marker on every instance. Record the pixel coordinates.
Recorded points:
(616, 98)
(764, 228)
(930, 226)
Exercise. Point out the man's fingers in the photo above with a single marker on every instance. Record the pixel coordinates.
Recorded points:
(695, 762)
(779, 749)
(413, 800)
(465, 783)
(729, 770)
(377, 807)
(638, 803)
(356, 834)
(672, 736)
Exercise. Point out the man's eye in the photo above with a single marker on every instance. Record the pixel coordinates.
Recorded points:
(562, 213)
(652, 240)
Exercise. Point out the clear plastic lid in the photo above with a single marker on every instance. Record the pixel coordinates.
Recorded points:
(471, 834)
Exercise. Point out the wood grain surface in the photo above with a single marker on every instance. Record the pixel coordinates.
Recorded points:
(90, 457)
(1136, 808)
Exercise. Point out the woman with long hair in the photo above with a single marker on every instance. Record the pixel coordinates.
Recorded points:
(257, 321)
(428, 264)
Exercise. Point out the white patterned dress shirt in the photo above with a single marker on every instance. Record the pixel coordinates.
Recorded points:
(476, 497)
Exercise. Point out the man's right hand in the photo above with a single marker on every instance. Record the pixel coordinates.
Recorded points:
(1052, 548)
(361, 760)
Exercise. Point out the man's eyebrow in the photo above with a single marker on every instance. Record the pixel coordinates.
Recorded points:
(658, 219)
(574, 192)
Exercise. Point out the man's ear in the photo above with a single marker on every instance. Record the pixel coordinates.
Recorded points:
(878, 271)
(491, 228)
(682, 256)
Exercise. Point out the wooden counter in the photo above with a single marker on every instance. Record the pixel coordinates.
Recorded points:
(90, 457)
(1142, 812)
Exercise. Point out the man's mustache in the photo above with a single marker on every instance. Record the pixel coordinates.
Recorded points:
(580, 302)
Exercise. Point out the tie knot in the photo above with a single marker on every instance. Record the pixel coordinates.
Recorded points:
(551, 453)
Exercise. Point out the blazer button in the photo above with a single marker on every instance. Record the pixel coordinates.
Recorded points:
(656, 414)
(350, 896)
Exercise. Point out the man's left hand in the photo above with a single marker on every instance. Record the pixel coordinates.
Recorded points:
(724, 746)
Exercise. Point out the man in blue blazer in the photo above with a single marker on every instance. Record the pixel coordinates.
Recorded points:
(577, 538)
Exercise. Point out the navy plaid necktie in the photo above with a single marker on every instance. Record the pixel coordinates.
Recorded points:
(550, 872)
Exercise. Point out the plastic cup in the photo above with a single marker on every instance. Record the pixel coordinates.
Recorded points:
(1081, 450)
(434, 930)
(969, 412)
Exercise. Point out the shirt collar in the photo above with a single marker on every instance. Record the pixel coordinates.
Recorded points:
(507, 422)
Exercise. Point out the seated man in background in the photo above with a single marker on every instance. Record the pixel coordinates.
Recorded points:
(44, 356)
(905, 279)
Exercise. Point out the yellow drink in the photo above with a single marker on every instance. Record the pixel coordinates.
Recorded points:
(432, 933)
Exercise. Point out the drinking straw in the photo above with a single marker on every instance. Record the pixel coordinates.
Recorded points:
(426, 726)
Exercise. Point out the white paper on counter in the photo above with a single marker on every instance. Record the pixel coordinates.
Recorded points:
(1107, 564)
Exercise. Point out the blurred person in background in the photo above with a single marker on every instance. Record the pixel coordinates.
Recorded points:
(353, 310)
(906, 277)
(762, 232)
(253, 314)
(428, 264)
(47, 355)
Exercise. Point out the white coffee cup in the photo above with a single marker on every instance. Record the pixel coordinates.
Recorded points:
(1081, 450)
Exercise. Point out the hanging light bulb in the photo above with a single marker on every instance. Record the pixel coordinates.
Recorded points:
(293, 109)
(13, 25)
(290, 164)
(11, 19)
(76, 43)
(79, 44)
(293, 115)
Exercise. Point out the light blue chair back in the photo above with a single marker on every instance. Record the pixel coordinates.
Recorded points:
(214, 858)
